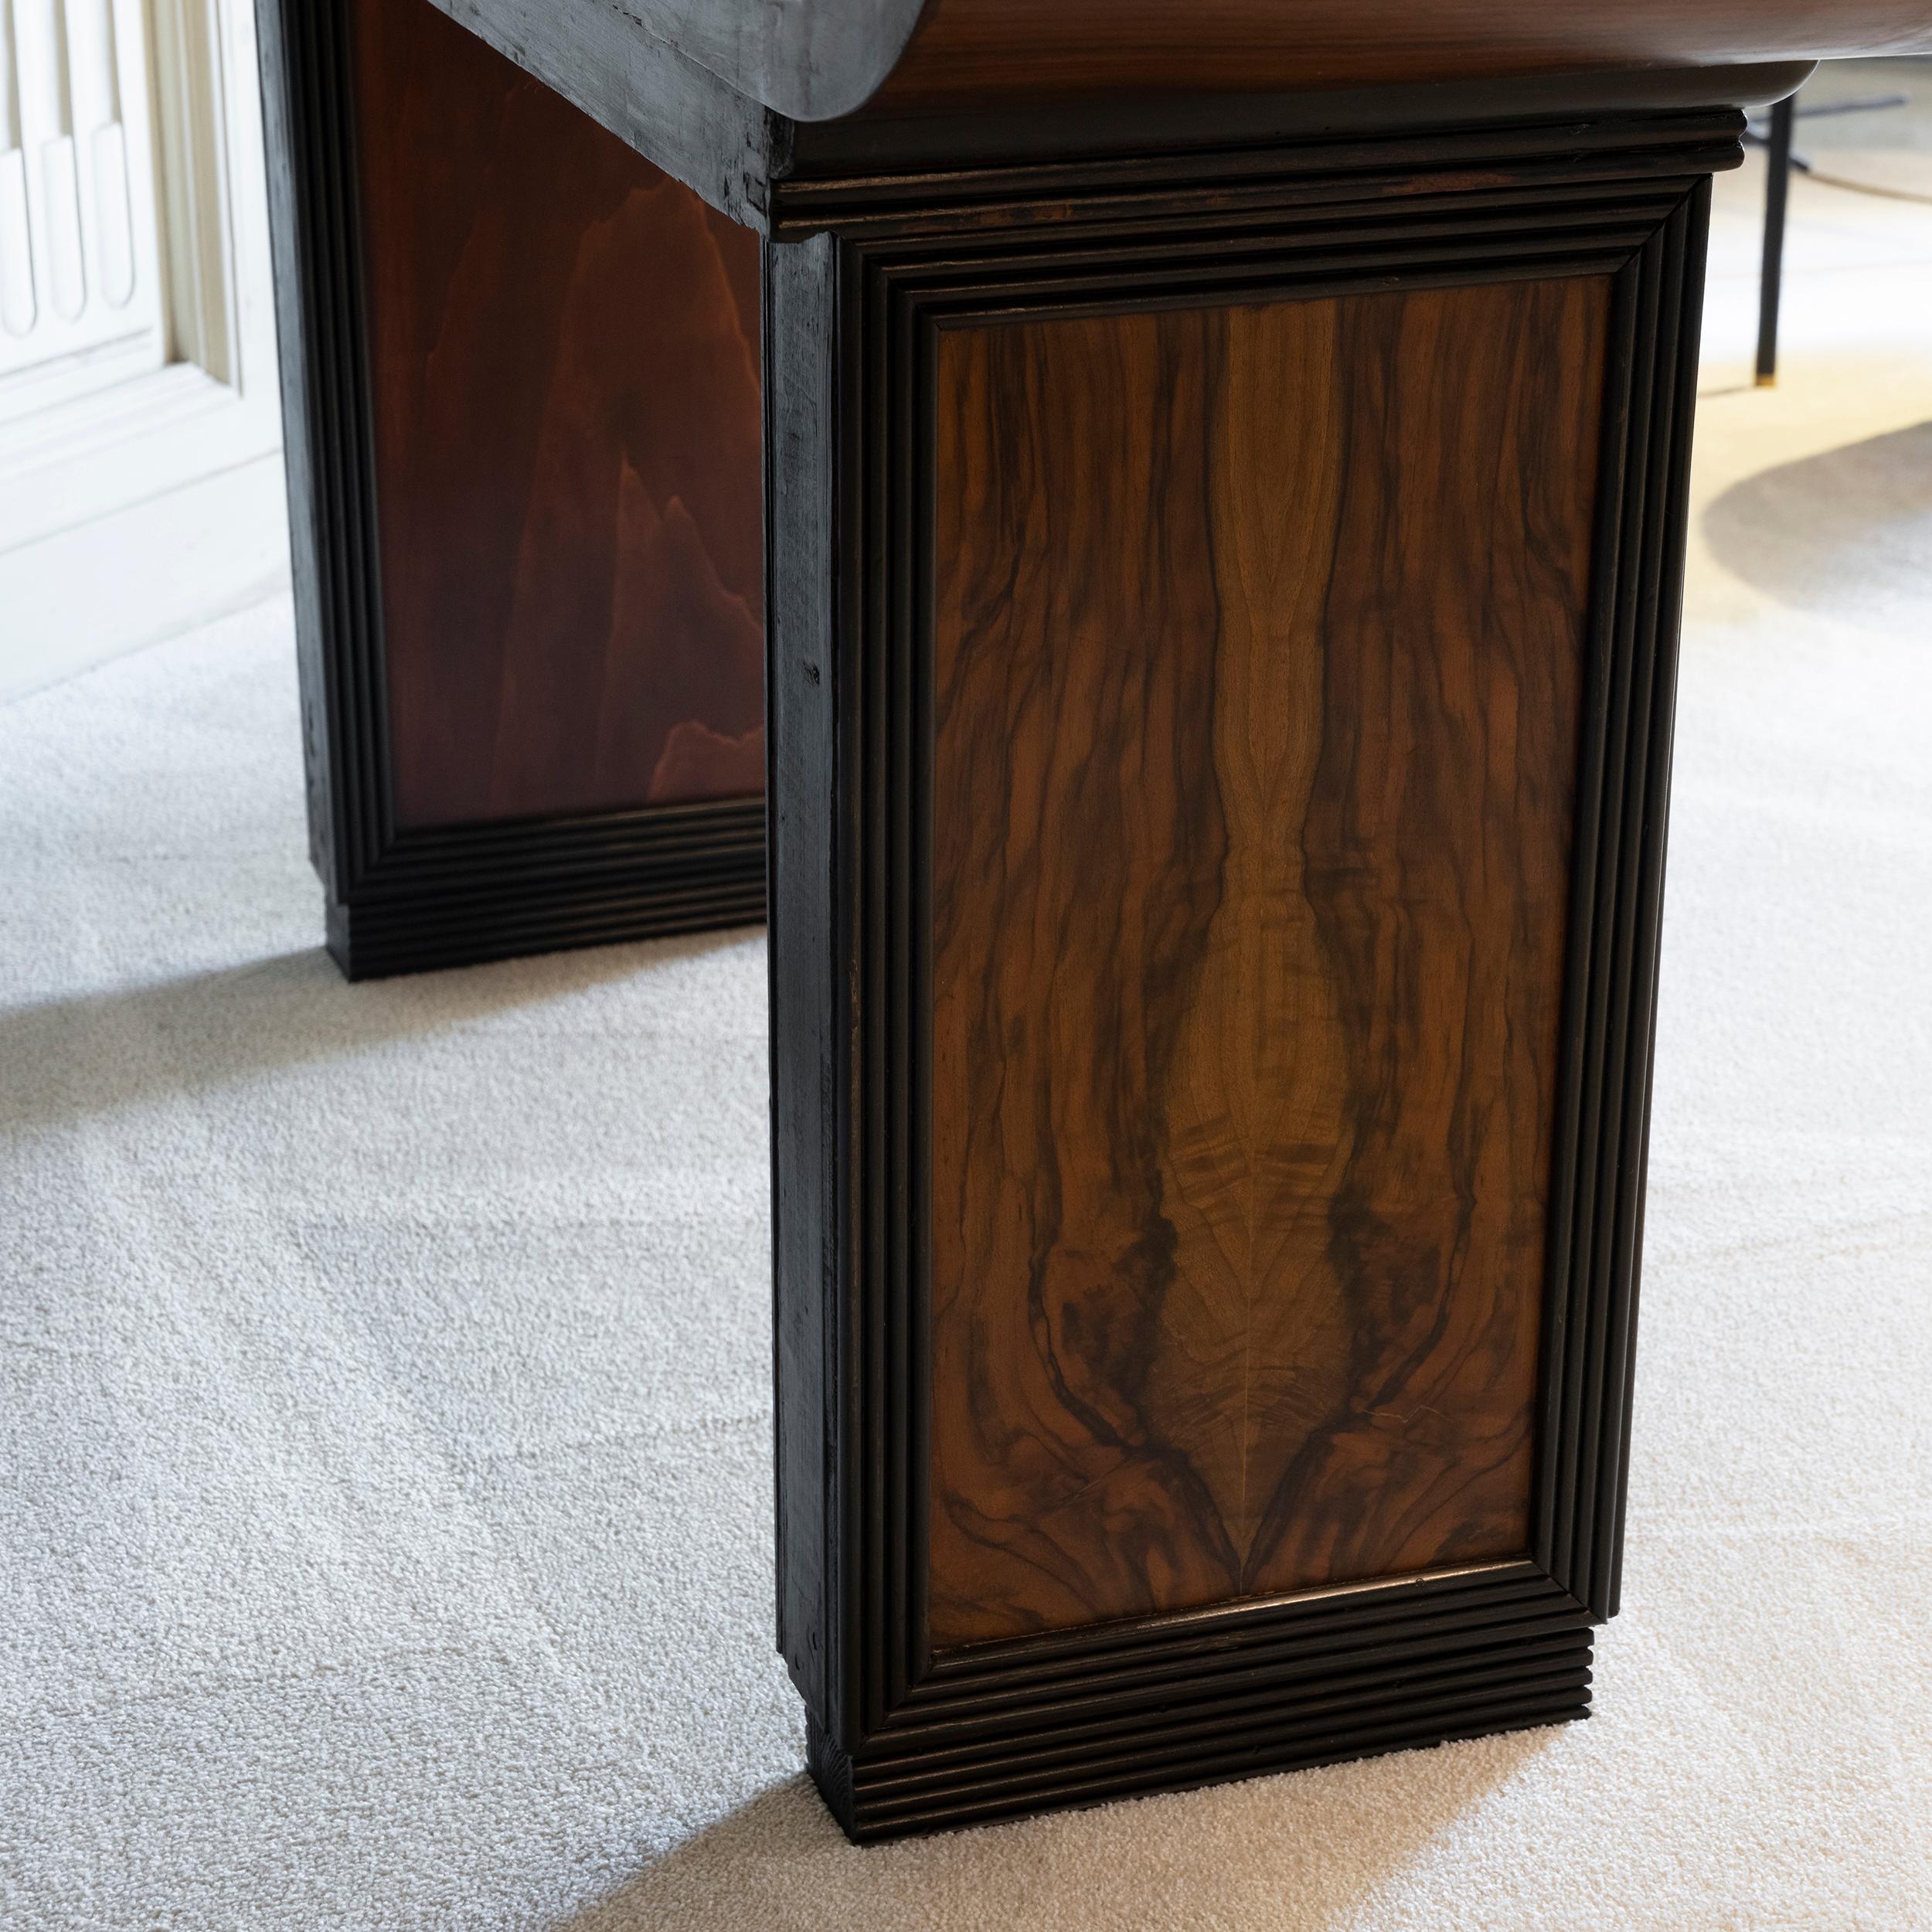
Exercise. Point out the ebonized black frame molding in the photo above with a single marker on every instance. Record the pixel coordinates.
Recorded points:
(902, 1739)
(406, 901)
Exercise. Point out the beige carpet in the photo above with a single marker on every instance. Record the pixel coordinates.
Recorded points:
(385, 1514)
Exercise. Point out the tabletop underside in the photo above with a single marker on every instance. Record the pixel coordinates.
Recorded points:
(732, 96)
(819, 59)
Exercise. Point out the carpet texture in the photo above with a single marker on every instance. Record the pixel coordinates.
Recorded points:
(385, 1493)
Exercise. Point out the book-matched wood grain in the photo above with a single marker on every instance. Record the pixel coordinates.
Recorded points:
(1259, 655)
(565, 391)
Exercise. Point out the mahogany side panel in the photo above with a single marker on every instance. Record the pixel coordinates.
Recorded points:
(1260, 643)
(563, 344)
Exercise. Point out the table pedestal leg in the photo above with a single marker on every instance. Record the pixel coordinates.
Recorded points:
(1223, 625)
(522, 388)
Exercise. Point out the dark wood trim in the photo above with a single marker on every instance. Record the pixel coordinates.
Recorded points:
(1134, 128)
(399, 899)
(1217, 190)
(904, 1739)
(475, 894)
(675, 111)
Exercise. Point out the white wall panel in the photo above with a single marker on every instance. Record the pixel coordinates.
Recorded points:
(140, 488)
(81, 300)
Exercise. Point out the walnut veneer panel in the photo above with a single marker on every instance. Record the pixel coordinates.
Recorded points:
(565, 389)
(1259, 649)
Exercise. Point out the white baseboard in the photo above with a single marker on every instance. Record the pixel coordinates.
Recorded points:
(82, 595)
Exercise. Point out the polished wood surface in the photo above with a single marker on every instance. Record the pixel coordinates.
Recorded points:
(1258, 662)
(564, 386)
(819, 59)
(1001, 50)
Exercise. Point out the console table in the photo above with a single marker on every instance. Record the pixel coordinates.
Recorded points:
(1183, 506)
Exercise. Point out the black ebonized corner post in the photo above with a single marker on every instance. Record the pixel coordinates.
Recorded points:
(1084, 481)
(524, 500)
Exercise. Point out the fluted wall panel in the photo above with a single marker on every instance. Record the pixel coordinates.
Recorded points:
(78, 237)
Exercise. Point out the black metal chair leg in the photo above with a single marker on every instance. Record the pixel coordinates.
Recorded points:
(1776, 196)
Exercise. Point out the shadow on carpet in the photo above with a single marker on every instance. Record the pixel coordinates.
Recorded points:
(781, 1864)
(1847, 532)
